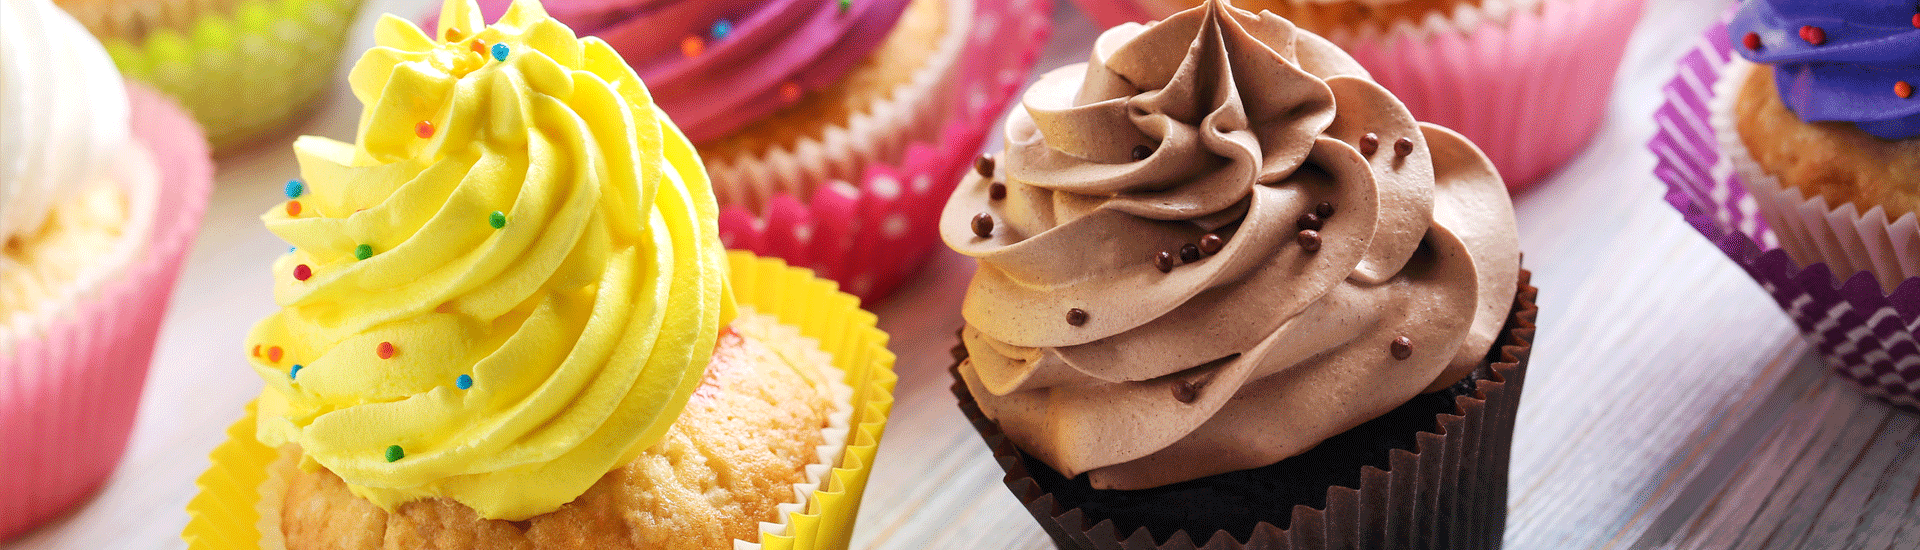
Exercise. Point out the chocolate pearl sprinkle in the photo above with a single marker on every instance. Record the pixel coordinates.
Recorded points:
(1402, 348)
(1403, 146)
(983, 225)
(984, 166)
(1076, 316)
(1189, 253)
(1369, 144)
(1211, 244)
(1309, 240)
(1163, 261)
(1324, 210)
(1141, 152)
(1185, 391)
(997, 191)
(1311, 221)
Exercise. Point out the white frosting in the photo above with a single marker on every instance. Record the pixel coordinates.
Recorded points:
(66, 112)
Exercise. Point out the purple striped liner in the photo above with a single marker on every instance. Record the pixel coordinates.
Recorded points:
(1867, 336)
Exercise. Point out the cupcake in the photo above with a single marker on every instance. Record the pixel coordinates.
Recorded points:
(1800, 158)
(245, 68)
(508, 321)
(101, 189)
(825, 125)
(1540, 71)
(1229, 288)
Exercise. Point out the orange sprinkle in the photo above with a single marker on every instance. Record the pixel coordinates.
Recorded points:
(273, 354)
(293, 208)
(478, 47)
(692, 46)
(1903, 89)
(385, 350)
(256, 350)
(453, 35)
(424, 129)
(790, 92)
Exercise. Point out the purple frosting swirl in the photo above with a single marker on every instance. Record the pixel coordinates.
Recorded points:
(742, 65)
(1839, 61)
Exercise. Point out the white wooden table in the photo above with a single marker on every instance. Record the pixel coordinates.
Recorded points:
(1670, 403)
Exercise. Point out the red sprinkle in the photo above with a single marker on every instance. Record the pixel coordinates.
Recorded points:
(293, 208)
(424, 129)
(1916, 20)
(790, 92)
(1751, 41)
(302, 272)
(1813, 35)
(385, 350)
(273, 354)
(1903, 89)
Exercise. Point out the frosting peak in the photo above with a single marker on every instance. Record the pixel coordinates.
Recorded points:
(1856, 61)
(63, 112)
(506, 287)
(1208, 242)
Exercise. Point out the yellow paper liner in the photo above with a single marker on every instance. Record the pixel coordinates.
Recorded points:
(225, 516)
(1448, 492)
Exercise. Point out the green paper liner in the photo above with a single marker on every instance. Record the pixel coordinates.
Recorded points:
(243, 70)
(1448, 493)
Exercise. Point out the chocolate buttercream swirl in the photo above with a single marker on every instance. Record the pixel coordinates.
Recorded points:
(1339, 224)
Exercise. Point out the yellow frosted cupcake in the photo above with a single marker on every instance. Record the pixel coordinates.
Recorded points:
(508, 322)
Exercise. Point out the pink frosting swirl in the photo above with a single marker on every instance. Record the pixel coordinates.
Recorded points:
(738, 76)
(1159, 297)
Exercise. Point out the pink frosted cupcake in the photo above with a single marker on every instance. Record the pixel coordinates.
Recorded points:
(1526, 80)
(101, 190)
(830, 128)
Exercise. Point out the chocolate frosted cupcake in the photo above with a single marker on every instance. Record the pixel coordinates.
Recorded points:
(1224, 272)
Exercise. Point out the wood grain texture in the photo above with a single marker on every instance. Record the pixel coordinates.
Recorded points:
(1670, 404)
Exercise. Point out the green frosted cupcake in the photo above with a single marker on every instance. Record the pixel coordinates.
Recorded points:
(242, 67)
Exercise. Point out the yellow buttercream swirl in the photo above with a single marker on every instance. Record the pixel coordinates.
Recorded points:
(580, 325)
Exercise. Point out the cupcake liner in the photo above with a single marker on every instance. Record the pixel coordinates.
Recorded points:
(1449, 492)
(226, 514)
(1539, 72)
(1865, 332)
(68, 394)
(858, 205)
(243, 70)
(1808, 227)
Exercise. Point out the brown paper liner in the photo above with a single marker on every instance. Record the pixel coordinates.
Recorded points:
(1449, 492)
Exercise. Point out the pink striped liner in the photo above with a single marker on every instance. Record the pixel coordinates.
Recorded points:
(68, 397)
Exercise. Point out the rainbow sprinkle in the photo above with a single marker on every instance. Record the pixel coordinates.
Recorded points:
(497, 219)
(295, 373)
(295, 188)
(499, 52)
(721, 29)
(395, 453)
(363, 251)
(463, 382)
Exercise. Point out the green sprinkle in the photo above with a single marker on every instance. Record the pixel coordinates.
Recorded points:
(394, 453)
(497, 219)
(363, 251)
(845, 5)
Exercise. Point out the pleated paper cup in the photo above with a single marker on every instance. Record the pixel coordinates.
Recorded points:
(1448, 492)
(1526, 80)
(860, 205)
(69, 391)
(231, 509)
(244, 68)
(1847, 289)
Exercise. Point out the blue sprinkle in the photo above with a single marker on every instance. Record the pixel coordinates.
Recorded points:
(295, 188)
(722, 28)
(499, 52)
(463, 382)
(290, 249)
(295, 373)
